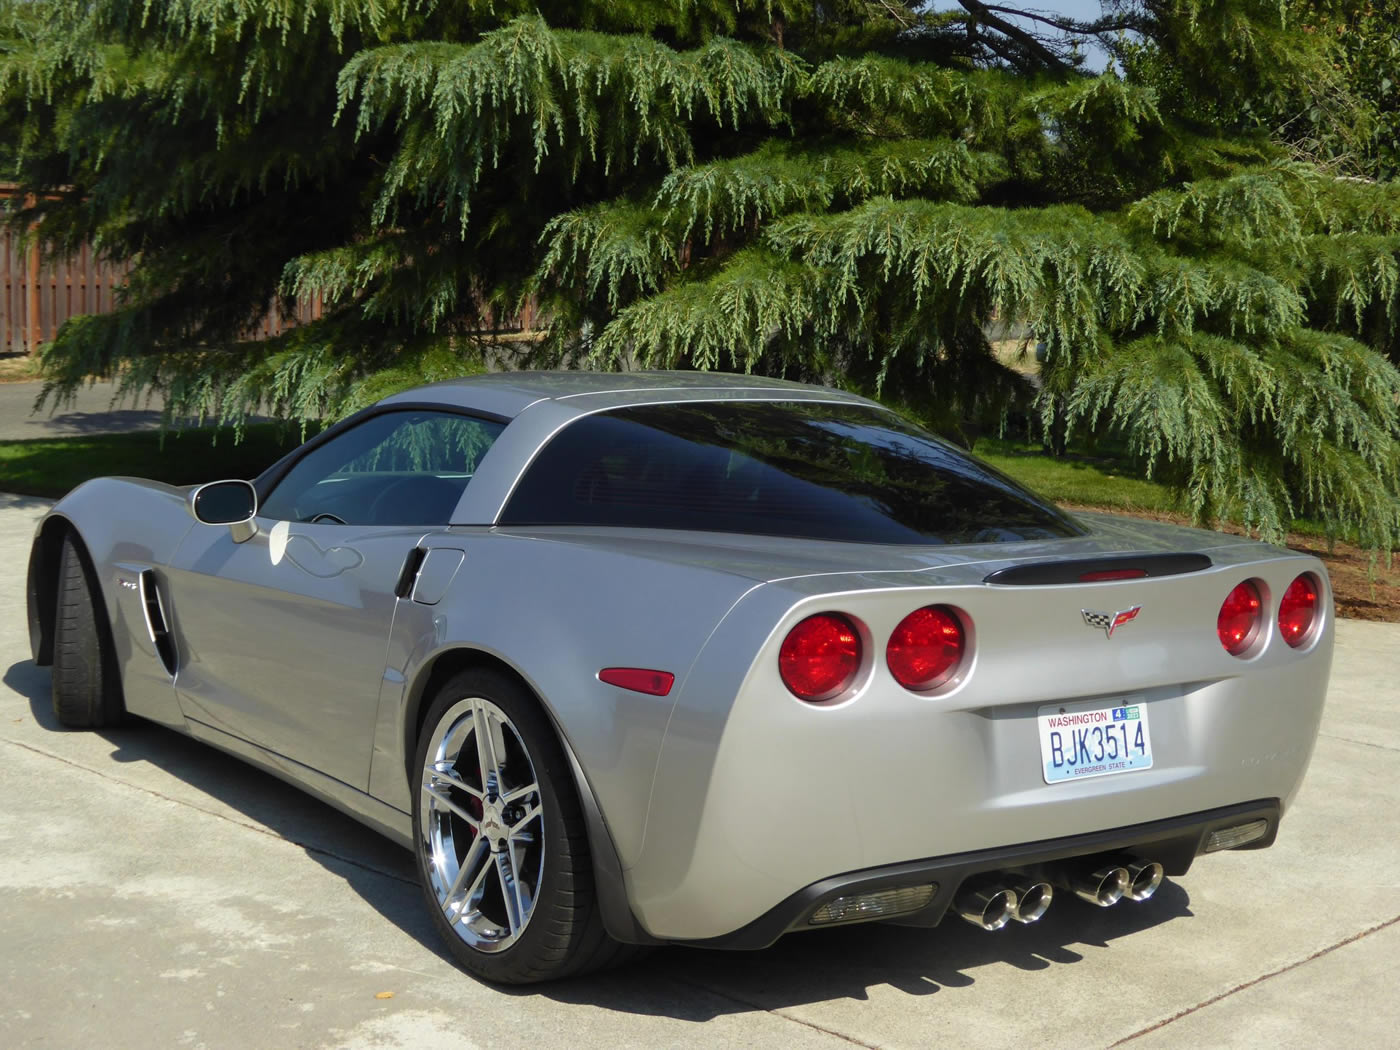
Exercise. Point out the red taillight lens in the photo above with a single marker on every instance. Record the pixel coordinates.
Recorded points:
(1297, 610)
(1238, 622)
(820, 656)
(926, 648)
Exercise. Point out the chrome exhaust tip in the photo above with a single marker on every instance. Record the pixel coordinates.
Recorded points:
(987, 907)
(1032, 901)
(1144, 876)
(1103, 887)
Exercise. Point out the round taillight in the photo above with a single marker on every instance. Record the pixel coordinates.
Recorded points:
(926, 648)
(1297, 610)
(1238, 622)
(820, 657)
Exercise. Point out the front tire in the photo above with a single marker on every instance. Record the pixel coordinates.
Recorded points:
(499, 837)
(86, 686)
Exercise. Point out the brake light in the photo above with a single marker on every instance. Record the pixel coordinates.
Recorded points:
(1297, 610)
(926, 648)
(1238, 621)
(820, 657)
(1099, 575)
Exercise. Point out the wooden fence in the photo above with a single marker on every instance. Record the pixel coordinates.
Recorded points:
(37, 296)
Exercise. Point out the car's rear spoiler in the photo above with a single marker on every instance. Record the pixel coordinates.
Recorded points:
(1094, 570)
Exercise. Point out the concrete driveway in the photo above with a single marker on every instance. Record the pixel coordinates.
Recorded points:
(159, 894)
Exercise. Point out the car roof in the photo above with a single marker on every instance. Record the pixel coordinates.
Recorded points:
(507, 394)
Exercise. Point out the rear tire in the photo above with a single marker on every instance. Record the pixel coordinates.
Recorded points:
(86, 687)
(499, 837)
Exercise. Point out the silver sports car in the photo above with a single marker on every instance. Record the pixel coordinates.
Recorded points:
(677, 657)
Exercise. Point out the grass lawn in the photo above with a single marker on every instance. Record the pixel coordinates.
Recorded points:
(18, 368)
(1084, 480)
(52, 466)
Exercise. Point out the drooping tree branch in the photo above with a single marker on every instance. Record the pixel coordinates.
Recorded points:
(1027, 52)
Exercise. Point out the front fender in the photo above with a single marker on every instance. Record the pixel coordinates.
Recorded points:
(123, 526)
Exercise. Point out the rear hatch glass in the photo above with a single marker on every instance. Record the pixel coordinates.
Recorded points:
(814, 470)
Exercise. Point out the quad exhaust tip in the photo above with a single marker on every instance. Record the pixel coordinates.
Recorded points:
(1103, 887)
(990, 905)
(1144, 876)
(987, 907)
(1108, 880)
(1032, 901)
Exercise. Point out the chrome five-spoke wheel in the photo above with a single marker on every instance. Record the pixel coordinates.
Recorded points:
(500, 838)
(481, 824)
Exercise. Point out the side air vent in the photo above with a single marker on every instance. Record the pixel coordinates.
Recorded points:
(409, 573)
(157, 625)
(1098, 570)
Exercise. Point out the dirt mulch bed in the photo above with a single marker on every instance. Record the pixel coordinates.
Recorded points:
(1363, 590)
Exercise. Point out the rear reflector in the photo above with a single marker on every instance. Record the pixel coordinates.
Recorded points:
(877, 904)
(1238, 621)
(1239, 835)
(820, 657)
(1297, 611)
(926, 648)
(638, 679)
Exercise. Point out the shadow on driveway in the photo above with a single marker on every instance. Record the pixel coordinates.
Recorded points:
(381, 872)
(803, 968)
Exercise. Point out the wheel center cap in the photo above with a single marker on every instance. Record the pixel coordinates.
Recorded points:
(493, 824)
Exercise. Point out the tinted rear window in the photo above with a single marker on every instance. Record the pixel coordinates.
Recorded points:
(818, 471)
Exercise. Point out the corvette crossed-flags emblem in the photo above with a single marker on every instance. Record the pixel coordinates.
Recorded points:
(1110, 622)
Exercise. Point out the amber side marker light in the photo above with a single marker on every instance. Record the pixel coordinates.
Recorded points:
(1297, 610)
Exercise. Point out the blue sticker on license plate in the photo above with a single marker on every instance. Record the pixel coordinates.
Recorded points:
(1094, 738)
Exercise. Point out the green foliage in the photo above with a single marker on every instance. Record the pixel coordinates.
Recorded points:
(845, 192)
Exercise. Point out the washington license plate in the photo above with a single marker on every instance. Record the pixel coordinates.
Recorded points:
(1094, 738)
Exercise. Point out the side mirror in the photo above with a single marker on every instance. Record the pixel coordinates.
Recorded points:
(231, 503)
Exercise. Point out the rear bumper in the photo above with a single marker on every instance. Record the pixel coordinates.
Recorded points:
(761, 801)
(1173, 843)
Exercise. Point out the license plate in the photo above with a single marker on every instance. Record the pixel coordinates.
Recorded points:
(1093, 738)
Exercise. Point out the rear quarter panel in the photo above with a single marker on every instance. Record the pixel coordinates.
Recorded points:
(558, 612)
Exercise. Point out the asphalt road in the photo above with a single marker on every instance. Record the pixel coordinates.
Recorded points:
(155, 893)
(92, 412)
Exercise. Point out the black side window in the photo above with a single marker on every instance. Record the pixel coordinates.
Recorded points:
(804, 469)
(399, 468)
